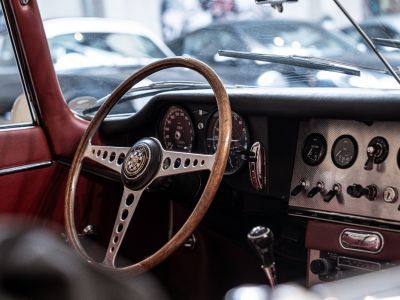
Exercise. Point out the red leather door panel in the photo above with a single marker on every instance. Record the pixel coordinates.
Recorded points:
(27, 173)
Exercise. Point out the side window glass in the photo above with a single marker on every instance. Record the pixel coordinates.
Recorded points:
(14, 108)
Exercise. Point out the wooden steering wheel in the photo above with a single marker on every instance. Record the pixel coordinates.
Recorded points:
(146, 161)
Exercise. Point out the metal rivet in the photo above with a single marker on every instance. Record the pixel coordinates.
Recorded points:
(24, 2)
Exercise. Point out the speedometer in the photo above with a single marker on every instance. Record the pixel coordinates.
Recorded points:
(239, 143)
(177, 130)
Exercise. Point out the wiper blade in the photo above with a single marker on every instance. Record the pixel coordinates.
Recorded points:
(295, 60)
(387, 42)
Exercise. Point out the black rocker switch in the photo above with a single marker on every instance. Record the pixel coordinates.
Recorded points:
(316, 189)
(262, 240)
(302, 186)
(336, 190)
(358, 191)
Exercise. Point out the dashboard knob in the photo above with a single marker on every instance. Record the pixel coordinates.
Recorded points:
(315, 190)
(377, 152)
(358, 191)
(321, 266)
(336, 190)
(302, 186)
(390, 194)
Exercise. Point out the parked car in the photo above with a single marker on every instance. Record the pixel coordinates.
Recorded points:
(83, 50)
(387, 27)
(288, 37)
(201, 190)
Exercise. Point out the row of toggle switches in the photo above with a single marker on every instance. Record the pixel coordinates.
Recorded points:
(390, 194)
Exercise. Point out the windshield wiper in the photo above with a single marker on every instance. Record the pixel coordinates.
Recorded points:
(387, 42)
(295, 60)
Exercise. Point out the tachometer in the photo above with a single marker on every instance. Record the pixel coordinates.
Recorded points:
(240, 140)
(177, 130)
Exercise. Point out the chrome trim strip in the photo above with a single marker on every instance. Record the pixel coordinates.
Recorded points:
(17, 126)
(17, 169)
(366, 232)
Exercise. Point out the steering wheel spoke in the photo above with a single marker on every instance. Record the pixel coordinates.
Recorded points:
(129, 202)
(174, 163)
(108, 156)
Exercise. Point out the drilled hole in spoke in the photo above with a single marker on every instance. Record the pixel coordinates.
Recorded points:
(166, 163)
(121, 158)
(115, 239)
(195, 162)
(129, 200)
(202, 163)
(177, 163)
(187, 163)
(93, 151)
(98, 152)
(112, 249)
(105, 154)
(120, 228)
(112, 156)
(124, 214)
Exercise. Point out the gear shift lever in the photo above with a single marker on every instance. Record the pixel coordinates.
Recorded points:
(262, 240)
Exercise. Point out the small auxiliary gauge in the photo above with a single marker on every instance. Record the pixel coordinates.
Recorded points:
(344, 151)
(314, 149)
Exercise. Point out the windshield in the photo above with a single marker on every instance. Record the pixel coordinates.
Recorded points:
(94, 47)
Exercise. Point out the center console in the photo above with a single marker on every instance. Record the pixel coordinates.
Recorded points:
(346, 175)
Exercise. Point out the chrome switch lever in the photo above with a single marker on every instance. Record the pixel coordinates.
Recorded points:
(262, 240)
(257, 167)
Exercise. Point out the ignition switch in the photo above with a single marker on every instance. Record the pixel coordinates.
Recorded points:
(377, 152)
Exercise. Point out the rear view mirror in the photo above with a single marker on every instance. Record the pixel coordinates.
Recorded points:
(277, 4)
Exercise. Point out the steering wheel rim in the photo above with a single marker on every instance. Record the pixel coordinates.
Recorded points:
(218, 160)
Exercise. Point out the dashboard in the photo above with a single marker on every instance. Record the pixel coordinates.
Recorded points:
(320, 165)
(347, 168)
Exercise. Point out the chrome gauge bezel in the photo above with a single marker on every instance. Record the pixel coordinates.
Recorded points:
(211, 122)
(355, 152)
(324, 149)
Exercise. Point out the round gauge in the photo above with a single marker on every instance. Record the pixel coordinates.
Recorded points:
(344, 151)
(314, 149)
(398, 158)
(177, 130)
(239, 143)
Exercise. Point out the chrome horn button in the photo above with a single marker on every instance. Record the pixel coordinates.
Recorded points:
(141, 163)
(137, 161)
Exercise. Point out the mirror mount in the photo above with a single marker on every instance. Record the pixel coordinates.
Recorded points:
(277, 4)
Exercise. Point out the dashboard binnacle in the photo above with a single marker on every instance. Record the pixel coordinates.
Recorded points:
(180, 130)
(347, 168)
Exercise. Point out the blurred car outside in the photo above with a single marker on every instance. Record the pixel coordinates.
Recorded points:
(288, 37)
(85, 50)
(387, 27)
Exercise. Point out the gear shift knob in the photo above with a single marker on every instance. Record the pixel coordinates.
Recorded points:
(262, 240)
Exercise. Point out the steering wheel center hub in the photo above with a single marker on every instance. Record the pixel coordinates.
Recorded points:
(137, 161)
(141, 163)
